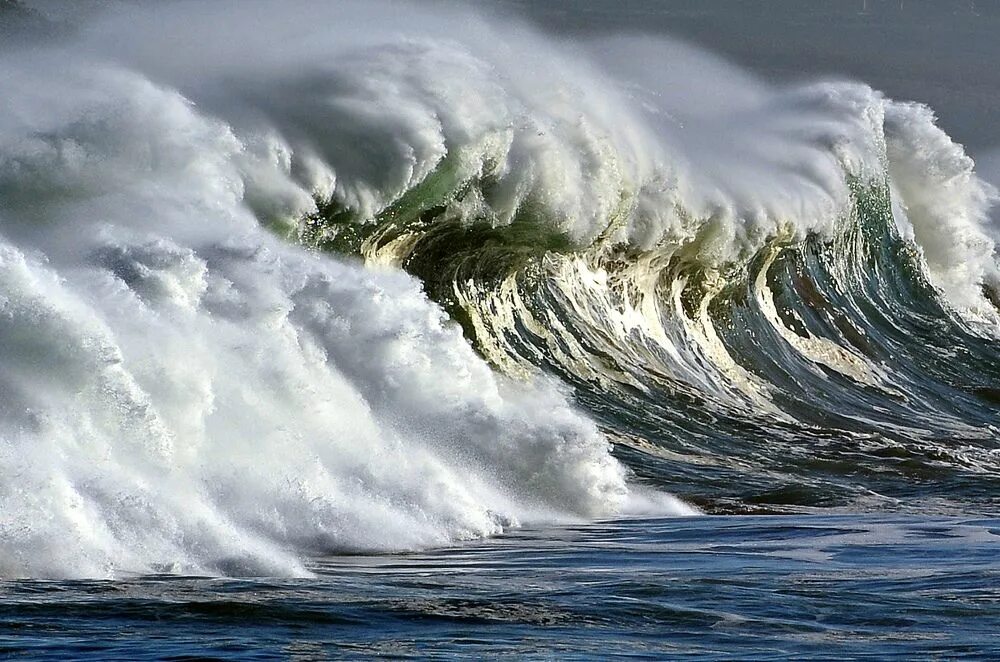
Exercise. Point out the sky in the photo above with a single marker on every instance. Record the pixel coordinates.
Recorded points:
(945, 53)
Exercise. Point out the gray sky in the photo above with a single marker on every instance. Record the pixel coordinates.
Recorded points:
(945, 53)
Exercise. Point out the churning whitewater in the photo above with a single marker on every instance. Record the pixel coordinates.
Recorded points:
(373, 277)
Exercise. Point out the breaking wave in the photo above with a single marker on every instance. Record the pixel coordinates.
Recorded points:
(294, 278)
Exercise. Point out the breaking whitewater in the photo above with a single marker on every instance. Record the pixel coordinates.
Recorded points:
(371, 278)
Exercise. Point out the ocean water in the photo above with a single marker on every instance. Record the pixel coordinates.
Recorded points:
(796, 587)
(452, 329)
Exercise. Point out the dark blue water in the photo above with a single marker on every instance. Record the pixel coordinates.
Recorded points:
(791, 587)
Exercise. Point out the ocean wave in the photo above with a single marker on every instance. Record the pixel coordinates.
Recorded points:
(211, 359)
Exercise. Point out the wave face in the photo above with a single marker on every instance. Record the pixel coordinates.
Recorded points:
(304, 278)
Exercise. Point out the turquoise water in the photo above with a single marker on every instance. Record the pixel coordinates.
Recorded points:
(796, 587)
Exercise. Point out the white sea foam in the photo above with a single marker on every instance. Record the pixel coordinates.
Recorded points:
(181, 388)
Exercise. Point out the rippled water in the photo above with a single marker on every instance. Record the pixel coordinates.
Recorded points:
(797, 587)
